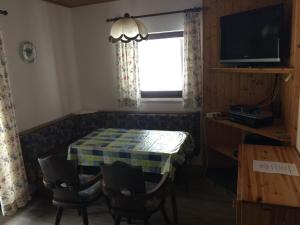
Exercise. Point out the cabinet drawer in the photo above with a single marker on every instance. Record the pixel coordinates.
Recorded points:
(261, 214)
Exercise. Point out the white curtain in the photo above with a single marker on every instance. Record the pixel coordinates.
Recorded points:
(193, 73)
(192, 87)
(128, 74)
(13, 183)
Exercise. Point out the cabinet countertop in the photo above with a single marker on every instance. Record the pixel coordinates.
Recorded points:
(265, 188)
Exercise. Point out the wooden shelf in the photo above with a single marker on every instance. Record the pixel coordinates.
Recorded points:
(252, 70)
(276, 131)
(224, 150)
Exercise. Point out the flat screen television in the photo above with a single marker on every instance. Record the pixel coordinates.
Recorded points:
(255, 37)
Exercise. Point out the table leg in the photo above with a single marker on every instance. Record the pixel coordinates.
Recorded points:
(174, 204)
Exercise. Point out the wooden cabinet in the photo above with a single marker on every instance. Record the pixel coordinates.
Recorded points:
(260, 214)
(263, 198)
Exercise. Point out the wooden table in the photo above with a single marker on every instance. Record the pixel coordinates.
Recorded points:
(264, 198)
(155, 151)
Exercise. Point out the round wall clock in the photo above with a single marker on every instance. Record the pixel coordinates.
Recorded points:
(27, 52)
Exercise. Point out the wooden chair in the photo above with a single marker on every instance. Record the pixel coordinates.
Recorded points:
(125, 190)
(69, 188)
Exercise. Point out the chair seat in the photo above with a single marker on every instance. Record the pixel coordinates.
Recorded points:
(83, 197)
(140, 208)
(129, 196)
(92, 193)
(150, 185)
(153, 203)
(69, 188)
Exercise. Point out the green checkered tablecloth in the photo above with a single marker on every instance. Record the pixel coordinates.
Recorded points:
(155, 151)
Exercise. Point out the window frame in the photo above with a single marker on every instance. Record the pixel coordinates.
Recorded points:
(163, 94)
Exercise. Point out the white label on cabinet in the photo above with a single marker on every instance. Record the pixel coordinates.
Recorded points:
(275, 167)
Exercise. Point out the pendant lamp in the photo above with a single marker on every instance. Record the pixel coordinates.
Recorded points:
(128, 29)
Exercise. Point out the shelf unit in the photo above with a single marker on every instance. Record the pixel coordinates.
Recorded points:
(247, 85)
(253, 70)
(276, 131)
(228, 151)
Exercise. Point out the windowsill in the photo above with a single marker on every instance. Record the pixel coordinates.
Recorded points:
(161, 100)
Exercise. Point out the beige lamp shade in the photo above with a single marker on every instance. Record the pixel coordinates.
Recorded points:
(128, 29)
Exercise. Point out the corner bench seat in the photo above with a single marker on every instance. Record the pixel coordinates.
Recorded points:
(55, 137)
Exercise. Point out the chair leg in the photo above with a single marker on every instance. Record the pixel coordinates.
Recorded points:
(109, 207)
(165, 215)
(79, 212)
(186, 177)
(117, 220)
(146, 222)
(58, 215)
(187, 185)
(174, 204)
(129, 220)
(85, 219)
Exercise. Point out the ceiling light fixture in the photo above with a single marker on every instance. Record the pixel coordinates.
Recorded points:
(127, 29)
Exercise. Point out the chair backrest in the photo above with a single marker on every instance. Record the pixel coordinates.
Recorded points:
(120, 176)
(122, 182)
(57, 171)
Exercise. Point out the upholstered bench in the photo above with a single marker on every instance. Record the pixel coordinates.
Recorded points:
(55, 136)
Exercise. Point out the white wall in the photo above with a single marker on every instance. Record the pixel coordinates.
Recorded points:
(47, 89)
(96, 56)
(75, 67)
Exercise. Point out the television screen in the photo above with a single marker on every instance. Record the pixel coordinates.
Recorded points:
(252, 37)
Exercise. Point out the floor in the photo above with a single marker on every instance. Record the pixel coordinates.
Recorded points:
(207, 203)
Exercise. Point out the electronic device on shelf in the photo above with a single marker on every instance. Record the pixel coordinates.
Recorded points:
(257, 37)
(250, 116)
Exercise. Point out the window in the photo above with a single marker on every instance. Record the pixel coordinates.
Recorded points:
(161, 65)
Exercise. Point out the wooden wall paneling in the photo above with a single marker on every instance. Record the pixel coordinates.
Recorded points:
(290, 90)
(215, 8)
(296, 64)
(220, 90)
(220, 135)
(286, 102)
(286, 87)
(224, 133)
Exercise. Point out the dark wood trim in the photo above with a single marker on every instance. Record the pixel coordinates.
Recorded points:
(196, 9)
(77, 5)
(3, 12)
(161, 94)
(57, 3)
(163, 35)
(92, 3)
